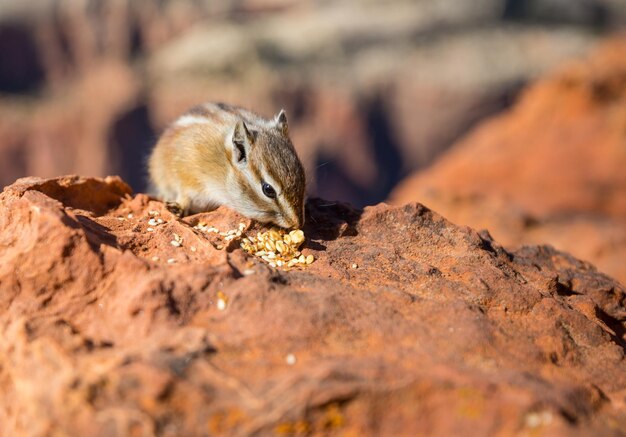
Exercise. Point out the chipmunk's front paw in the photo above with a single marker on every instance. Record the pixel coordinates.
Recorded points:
(175, 209)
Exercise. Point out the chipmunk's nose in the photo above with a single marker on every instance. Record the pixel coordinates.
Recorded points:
(300, 219)
(296, 221)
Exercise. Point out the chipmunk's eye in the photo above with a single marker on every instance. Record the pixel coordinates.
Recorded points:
(268, 190)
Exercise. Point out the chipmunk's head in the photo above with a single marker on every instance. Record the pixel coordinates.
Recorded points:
(268, 174)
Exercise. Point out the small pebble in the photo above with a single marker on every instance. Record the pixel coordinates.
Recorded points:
(290, 359)
(150, 229)
(355, 266)
(171, 261)
(155, 258)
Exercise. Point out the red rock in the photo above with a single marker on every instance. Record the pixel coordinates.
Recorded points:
(551, 170)
(438, 331)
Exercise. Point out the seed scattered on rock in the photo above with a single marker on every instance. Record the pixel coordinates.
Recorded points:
(355, 266)
(150, 229)
(171, 261)
(222, 300)
(177, 241)
(155, 258)
(537, 419)
(290, 359)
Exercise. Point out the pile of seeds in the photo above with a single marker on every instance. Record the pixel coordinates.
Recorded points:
(277, 247)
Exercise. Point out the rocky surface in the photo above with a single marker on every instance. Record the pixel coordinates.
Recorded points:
(373, 90)
(406, 324)
(550, 170)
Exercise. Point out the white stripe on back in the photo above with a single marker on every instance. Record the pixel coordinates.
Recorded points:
(187, 120)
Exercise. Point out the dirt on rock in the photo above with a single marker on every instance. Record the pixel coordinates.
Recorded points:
(550, 170)
(405, 324)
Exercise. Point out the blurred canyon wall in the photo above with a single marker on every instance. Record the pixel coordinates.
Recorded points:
(374, 90)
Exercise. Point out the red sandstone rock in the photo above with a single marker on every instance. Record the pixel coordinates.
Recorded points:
(438, 331)
(551, 170)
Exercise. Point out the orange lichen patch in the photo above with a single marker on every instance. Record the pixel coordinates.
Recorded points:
(300, 427)
(223, 421)
(333, 417)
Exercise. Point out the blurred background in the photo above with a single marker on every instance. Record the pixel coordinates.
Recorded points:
(386, 100)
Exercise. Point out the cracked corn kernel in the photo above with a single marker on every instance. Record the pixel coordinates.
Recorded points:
(297, 236)
(280, 246)
(274, 235)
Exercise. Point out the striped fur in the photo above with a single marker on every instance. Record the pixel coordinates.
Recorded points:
(195, 164)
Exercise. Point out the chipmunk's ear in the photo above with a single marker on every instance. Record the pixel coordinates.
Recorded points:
(242, 142)
(281, 122)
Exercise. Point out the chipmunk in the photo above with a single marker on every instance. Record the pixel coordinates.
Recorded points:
(217, 154)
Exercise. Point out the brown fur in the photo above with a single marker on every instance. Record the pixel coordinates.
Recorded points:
(196, 155)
